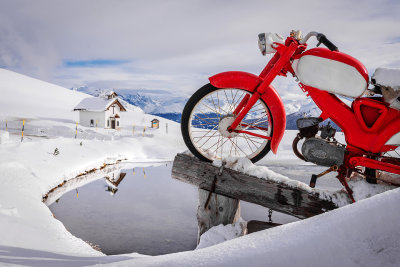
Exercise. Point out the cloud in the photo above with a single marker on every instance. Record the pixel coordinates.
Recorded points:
(176, 45)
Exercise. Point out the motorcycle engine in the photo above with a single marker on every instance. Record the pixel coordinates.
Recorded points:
(322, 150)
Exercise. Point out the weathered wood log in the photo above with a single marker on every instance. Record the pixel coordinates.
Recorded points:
(276, 196)
(219, 210)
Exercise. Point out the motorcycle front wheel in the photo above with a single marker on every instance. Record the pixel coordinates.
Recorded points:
(208, 114)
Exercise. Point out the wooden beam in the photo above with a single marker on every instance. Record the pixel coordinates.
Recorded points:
(277, 196)
(220, 210)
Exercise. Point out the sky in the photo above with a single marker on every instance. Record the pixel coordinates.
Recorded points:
(177, 45)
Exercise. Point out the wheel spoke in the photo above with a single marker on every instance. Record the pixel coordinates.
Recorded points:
(218, 105)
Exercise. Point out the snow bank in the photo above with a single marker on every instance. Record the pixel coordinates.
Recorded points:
(222, 233)
(28, 170)
(4, 137)
(362, 234)
(26, 97)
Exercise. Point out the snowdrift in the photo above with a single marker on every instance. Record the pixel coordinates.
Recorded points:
(26, 97)
(362, 234)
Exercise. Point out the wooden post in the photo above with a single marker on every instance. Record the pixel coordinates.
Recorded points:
(76, 130)
(22, 132)
(220, 210)
(166, 128)
(144, 129)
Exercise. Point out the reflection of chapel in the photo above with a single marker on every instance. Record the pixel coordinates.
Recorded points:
(103, 111)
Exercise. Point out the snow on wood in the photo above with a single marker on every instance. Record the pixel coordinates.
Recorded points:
(276, 195)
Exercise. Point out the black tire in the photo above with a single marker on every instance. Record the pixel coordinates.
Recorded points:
(186, 123)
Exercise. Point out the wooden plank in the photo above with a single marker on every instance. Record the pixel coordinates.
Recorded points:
(277, 196)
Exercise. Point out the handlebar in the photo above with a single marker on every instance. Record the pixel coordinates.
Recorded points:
(321, 39)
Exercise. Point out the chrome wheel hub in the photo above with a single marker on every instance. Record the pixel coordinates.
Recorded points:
(224, 124)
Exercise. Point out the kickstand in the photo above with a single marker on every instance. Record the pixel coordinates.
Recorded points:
(342, 179)
(314, 177)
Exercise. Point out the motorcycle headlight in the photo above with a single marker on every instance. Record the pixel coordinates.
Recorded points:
(262, 44)
(267, 42)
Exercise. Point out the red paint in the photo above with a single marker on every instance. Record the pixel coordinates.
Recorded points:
(254, 134)
(357, 133)
(249, 82)
(235, 79)
(367, 125)
(374, 164)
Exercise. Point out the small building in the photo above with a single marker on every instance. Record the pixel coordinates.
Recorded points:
(104, 111)
(155, 123)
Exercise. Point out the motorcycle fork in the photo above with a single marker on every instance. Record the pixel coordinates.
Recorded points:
(247, 103)
(274, 68)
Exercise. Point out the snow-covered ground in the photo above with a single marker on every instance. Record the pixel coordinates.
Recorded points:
(363, 234)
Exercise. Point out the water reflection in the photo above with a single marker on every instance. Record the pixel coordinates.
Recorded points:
(146, 212)
(140, 209)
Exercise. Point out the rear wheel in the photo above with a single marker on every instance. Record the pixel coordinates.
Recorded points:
(208, 114)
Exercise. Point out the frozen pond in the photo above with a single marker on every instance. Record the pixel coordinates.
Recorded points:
(151, 213)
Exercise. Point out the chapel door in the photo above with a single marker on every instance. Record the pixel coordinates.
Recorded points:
(112, 124)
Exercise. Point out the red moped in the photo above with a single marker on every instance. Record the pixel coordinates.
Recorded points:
(241, 114)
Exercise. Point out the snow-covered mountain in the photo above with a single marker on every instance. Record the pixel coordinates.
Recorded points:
(307, 109)
(150, 101)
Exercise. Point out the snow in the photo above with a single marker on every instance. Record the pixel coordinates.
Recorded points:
(222, 233)
(362, 234)
(28, 169)
(387, 77)
(94, 104)
(25, 97)
(4, 137)
(361, 188)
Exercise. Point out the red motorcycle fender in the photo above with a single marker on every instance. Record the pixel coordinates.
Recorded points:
(249, 82)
